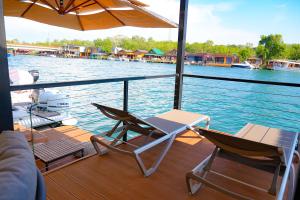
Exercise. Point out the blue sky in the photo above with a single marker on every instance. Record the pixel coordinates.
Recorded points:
(261, 16)
(224, 22)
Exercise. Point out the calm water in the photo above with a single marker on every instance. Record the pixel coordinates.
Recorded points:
(231, 105)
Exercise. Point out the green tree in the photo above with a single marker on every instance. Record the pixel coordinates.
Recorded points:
(105, 44)
(293, 51)
(274, 46)
(245, 53)
(261, 52)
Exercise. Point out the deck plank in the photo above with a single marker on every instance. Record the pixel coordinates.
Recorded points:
(76, 188)
(55, 191)
(117, 176)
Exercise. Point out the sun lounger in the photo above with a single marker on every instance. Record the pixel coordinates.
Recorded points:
(163, 128)
(256, 146)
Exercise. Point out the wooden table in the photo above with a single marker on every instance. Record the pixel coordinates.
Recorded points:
(57, 149)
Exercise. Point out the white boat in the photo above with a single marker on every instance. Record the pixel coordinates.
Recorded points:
(36, 108)
(284, 65)
(111, 58)
(244, 65)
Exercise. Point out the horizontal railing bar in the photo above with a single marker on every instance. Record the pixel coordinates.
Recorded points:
(253, 113)
(243, 80)
(223, 123)
(85, 82)
(248, 99)
(246, 91)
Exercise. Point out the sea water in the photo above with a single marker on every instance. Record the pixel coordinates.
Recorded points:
(230, 105)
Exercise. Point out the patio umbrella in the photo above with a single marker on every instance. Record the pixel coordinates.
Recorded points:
(87, 14)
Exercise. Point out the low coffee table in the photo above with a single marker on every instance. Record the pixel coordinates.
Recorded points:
(57, 149)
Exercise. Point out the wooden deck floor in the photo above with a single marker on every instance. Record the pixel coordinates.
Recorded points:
(117, 176)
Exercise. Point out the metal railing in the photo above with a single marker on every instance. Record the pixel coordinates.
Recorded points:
(122, 93)
(231, 102)
(276, 101)
(88, 94)
(222, 95)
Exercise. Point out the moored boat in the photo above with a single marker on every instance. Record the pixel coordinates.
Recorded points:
(284, 65)
(243, 65)
(36, 108)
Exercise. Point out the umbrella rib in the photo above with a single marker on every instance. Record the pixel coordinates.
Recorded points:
(28, 8)
(119, 20)
(79, 20)
(48, 4)
(69, 4)
(56, 2)
(75, 7)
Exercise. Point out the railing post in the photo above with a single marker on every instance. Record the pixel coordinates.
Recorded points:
(125, 103)
(180, 53)
(6, 119)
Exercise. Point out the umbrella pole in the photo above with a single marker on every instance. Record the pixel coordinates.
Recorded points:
(180, 53)
(6, 119)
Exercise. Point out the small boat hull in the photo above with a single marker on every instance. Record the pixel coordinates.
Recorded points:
(243, 65)
(240, 66)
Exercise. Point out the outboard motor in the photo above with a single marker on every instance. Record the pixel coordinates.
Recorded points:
(53, 101)
(36, 92)
(35, 74)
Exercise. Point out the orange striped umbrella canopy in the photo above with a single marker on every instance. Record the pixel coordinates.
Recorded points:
(87, 14)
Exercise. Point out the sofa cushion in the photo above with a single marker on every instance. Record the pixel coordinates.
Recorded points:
(18, 173)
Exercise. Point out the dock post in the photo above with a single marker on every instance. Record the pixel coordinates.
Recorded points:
(180, 53)
(6, 119)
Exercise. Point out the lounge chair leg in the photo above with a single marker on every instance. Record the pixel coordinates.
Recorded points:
(47, 166)
(273, 188)
(118, 138)
(152, 169)
(211, 159)
(95, 144)
(204, 181)
(203, 169)
(291, 184)
(113, 129)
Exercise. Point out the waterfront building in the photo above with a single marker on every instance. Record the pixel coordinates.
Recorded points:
(171, 56)
(72, 51)
(139, 54)
(209, 59)
(154, 54)
(125, 54)
(94, 52)
(198, 58)
(222, 60)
